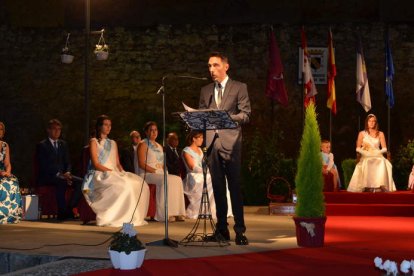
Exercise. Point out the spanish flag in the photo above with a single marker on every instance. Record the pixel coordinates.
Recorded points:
(331, 103)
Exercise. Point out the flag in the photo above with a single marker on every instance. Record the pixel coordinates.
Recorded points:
(389, 73)
(308, 83)
(331, 103)
(275, 87)
(362, 87)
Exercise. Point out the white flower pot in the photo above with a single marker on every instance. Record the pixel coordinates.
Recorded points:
(66, 58)
(114, 255)
(129, 261)
(101, 55)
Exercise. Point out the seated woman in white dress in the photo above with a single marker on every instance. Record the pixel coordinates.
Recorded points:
(194, 180)
(411, 180)
(373, 172)
(114, 195)
(151, 164)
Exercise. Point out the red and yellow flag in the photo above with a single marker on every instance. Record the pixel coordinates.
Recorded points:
(309, 87)
(331, 103)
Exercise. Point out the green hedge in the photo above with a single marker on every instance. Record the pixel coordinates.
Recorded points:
(348, 167)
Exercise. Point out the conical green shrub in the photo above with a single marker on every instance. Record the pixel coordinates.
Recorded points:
(309, 180)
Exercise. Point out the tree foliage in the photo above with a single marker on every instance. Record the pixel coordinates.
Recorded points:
(309, 180)
(402, 164)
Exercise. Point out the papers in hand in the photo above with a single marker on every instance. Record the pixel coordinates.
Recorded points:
(190, 109)
(187, 108)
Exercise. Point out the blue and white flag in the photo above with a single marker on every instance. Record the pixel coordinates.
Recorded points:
(362, 87)
(389, 73)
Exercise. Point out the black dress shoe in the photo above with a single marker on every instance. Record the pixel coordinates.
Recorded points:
(225, 234)
(241, 239)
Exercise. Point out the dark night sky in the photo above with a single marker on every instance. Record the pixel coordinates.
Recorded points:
(133, 13)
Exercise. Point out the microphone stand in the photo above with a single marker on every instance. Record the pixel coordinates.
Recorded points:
(166, 241)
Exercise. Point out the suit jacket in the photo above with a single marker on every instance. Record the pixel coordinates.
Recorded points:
(127, 159)
(237, 103)
(173, 163)
(51, 162)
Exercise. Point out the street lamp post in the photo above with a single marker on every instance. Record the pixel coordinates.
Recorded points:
(86, 76)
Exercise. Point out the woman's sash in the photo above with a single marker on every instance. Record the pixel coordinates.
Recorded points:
(87, 184)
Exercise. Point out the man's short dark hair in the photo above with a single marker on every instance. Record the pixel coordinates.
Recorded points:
(54, 122)
(219, 55)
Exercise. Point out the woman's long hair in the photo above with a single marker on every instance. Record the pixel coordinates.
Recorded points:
(147, 127)
(98, 126)
(4, 130)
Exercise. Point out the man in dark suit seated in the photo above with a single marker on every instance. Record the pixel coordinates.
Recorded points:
(173, 153)
(52, 157)
(128, 156)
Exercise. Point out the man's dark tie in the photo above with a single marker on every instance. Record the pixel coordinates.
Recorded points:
(175, 151)
(220, 94)
(55, 145)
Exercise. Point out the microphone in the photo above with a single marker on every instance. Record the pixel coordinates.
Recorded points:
(190, 77)
(161, 89)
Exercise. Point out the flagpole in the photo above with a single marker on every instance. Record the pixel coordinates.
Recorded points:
(272, 101)
(386, 75)
(330, 126)
(389, 76)
(303, 98)
(389, 126)
(331, 102)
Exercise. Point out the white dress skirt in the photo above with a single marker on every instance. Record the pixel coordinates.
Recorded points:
(193, 188)
(176, 203)
(114, 195)
(373, 171)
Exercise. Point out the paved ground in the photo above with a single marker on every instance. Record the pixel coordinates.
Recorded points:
(84, 247)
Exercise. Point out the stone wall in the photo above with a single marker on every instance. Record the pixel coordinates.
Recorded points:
(35, 86)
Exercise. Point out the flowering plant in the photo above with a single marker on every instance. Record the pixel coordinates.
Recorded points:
(391, 267)
(101, 47)
(66, 51)
(126, 240)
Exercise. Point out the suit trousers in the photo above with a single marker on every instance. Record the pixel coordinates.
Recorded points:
(221, 169)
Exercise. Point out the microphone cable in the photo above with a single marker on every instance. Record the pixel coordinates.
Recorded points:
(142, 183)
(80, 244)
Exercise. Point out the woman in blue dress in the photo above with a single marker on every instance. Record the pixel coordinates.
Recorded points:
(194, 180)
(10, 199)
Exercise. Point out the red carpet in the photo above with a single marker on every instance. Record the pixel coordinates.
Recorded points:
(398, 204)
(351, 244)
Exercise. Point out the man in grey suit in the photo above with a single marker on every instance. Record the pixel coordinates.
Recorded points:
(225, 157)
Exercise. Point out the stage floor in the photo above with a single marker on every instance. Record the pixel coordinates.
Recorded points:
(265, 232)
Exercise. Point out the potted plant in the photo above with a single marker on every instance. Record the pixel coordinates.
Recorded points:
(310, 208)
(126, 250)
(66, 55)
(101, 49)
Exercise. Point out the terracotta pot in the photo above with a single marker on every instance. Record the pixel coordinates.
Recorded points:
(310, 232)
